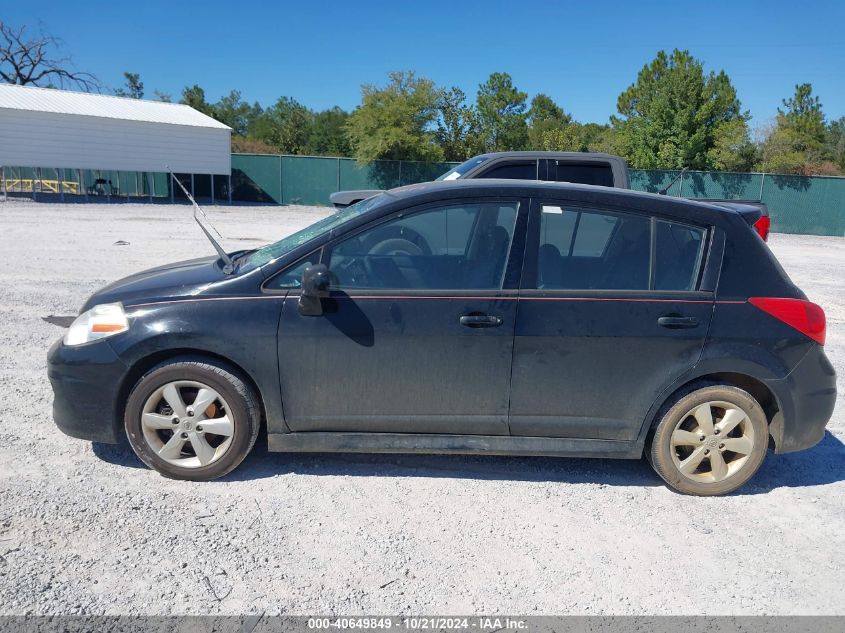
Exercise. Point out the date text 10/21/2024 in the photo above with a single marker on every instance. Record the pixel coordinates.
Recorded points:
(477, 623)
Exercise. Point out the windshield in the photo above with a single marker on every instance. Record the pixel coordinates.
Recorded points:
(275, 250)
(460, 170)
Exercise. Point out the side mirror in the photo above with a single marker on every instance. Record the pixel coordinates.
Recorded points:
(316, 282)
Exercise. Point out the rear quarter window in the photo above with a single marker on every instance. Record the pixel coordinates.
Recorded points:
(678, 252)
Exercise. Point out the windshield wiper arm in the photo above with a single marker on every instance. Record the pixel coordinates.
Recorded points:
(228, 264)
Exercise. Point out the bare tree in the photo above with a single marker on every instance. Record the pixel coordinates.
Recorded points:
(26, 59)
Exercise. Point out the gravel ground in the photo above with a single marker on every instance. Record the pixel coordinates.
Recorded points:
(85, 529)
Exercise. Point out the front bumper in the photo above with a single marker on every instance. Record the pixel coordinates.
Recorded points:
(806, 398)
(86, 382)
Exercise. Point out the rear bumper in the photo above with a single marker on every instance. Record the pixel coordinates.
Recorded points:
(806, 398)
(86, 382)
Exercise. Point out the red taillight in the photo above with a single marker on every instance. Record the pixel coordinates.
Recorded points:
(804, 316)
(762, 226)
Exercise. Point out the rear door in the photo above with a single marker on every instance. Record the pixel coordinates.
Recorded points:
(609, 314)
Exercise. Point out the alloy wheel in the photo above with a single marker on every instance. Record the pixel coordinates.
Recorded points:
(187, 424)
(712, 442)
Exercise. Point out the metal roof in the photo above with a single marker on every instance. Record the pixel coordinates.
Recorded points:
(53, 101)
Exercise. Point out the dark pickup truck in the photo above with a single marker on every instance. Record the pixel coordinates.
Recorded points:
(584, 168)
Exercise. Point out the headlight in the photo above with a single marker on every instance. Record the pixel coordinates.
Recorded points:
(98, 322)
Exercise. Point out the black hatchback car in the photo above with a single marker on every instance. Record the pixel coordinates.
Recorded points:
(495, 316)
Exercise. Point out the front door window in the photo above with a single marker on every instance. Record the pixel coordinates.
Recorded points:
(455, 247)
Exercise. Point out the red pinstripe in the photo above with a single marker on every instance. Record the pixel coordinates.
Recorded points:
(441, 298)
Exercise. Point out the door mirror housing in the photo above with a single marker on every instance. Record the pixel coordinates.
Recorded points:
(316, 282)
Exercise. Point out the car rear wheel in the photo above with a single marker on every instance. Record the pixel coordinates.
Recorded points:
(710, 441)
(192, 420)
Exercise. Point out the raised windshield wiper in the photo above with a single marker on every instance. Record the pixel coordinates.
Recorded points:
(228, 264)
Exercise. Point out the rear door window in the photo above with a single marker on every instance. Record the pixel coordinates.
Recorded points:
(585, 174)
(522, 170)
(591, 249)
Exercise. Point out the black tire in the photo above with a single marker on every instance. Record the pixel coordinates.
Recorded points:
(244, 410)
(676, 412)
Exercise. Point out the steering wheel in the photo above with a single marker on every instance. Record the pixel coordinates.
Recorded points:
(413, 242)
(353, 272)
(396, 246)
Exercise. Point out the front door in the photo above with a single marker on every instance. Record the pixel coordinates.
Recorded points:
(417, 335)
(609, 315)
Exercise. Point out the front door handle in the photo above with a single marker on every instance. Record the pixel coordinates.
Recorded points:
(481, 320)
(677, 322)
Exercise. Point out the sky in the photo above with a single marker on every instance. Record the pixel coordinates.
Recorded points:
(582, 54)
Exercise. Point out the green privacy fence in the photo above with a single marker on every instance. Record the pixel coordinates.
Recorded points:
(810, 205)
(813, 205)
(312, 179)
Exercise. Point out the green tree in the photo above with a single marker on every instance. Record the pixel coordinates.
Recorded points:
(327, 136)
(396, 122)
(501, 114)
(194, 96)
(836, 142)
(674, 114)
(134, 87)
(457, 126)
(732, 148)
(285, 125)
(546, 122)
(796, 144)
(247, 145)
(804, 114)
(236, 113)
(579, 137)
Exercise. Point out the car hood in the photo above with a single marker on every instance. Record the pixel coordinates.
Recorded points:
(163, 282)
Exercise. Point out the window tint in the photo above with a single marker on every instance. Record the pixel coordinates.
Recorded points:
(518, 171)
(585, 249)
(594, 231)
(453, 247)
(459, 170)
(291, 277)
(591, 174)
(678, 253)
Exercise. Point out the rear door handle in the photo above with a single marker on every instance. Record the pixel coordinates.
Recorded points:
(675, 322)
(480, 320)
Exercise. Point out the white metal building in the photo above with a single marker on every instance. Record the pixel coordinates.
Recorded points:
(60, 129)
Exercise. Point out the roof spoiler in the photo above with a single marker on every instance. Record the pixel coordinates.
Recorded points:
(749, 213)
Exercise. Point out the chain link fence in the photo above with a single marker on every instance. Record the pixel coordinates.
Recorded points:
(810, 205)
(312, 179)
(813, 205)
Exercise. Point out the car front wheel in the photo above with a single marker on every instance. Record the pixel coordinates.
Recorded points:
(710, 441)
(192, 420)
